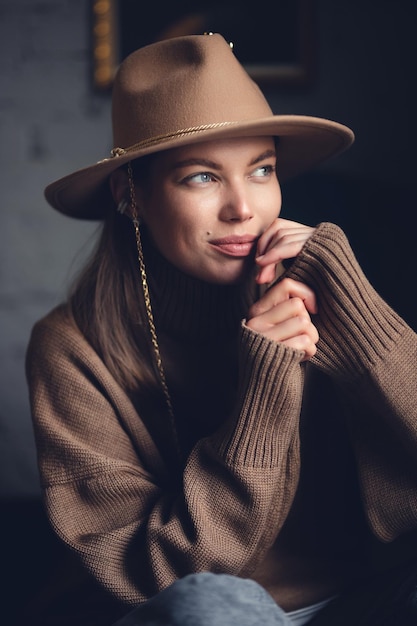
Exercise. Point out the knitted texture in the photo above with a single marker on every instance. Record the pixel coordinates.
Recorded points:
(137, 519)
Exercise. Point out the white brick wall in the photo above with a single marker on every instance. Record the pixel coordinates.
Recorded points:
(50, 124)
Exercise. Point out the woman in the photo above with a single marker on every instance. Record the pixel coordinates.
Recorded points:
(224, 409)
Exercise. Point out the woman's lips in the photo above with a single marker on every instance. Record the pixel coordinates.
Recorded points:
(239, 246)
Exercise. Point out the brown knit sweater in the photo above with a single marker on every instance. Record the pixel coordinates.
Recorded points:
(294, 475)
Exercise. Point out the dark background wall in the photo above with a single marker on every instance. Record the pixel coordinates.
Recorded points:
(52, 122)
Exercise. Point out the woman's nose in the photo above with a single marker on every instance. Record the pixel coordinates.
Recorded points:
(236, 207)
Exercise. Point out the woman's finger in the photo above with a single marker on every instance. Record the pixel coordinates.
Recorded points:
(289, 323)
(284, 290)
(284, 239)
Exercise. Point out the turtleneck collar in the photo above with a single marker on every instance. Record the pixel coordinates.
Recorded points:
(188, 308)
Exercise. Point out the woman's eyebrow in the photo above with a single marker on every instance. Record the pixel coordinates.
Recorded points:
(196, 161)
(265, 155)
(202, 162)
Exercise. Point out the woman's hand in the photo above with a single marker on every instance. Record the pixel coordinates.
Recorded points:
(283, 315)
(282, 240)
(283, 312)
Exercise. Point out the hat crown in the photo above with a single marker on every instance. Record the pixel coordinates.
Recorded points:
(182, 83)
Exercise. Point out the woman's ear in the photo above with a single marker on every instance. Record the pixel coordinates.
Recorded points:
(119, 186)
(121, 192)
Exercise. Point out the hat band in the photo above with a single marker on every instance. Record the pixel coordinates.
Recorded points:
(179, 133)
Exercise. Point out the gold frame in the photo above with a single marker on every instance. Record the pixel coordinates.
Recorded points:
(107, 33)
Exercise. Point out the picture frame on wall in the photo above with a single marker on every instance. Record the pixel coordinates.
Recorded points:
(275, 43)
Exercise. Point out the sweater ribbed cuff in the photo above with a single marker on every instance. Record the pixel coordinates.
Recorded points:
(268, 403)
(355, 325)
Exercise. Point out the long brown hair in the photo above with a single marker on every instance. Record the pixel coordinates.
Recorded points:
(106, 302)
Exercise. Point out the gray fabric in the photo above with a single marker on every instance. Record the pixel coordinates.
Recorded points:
(207, 599)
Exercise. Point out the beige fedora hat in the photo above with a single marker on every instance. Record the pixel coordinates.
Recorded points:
(188, 90)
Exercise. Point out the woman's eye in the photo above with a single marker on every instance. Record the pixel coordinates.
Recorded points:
(201, 177)
(264, 170)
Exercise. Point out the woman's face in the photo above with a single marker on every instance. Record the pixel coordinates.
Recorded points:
(206, 205)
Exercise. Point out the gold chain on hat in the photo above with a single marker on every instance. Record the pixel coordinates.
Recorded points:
(146, 143)
(149, 313)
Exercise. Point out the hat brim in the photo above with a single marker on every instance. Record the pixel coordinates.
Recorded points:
(304, 142)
